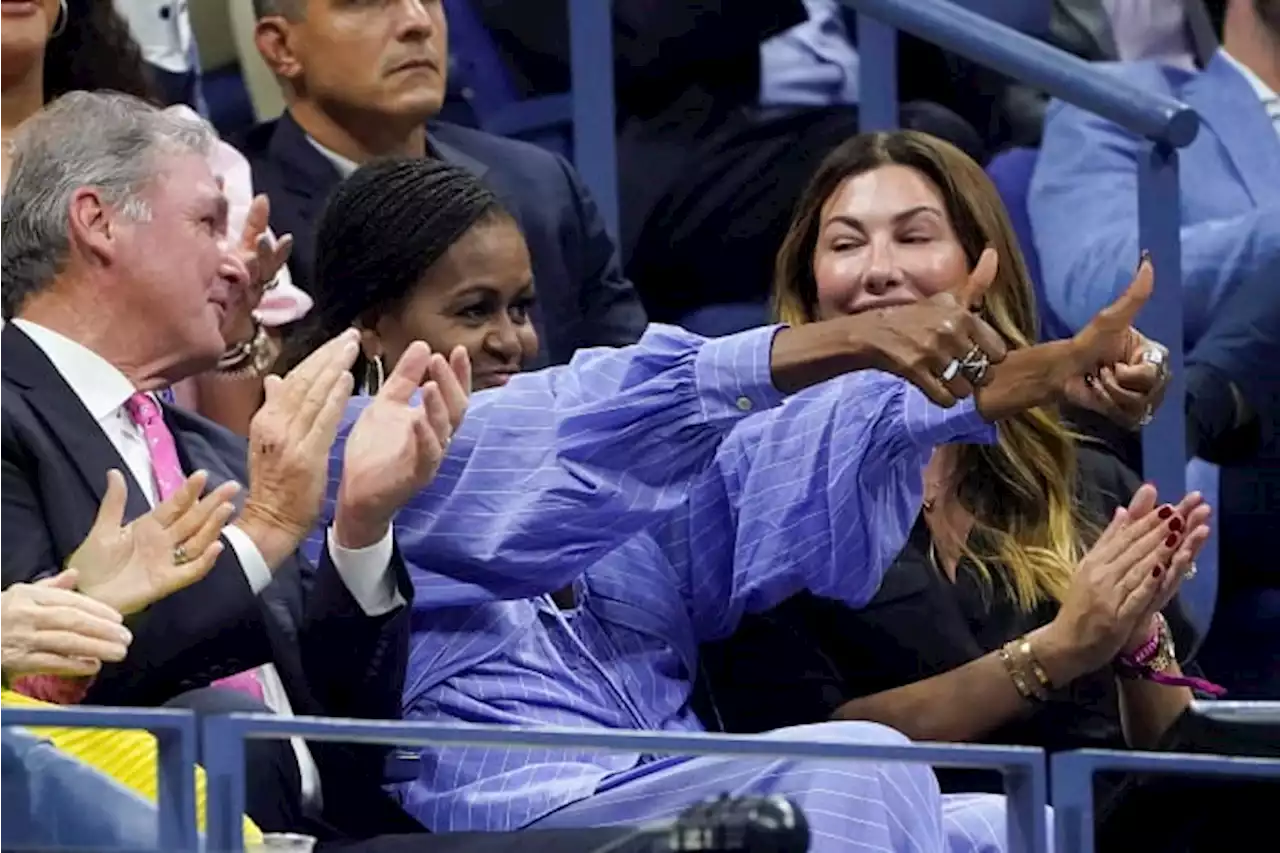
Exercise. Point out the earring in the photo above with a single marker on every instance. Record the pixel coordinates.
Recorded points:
(374, 375)
(60, 26)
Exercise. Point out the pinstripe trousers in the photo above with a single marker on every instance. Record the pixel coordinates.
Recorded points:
(850, 805)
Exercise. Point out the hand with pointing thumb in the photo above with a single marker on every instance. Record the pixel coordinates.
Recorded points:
(1110, 337)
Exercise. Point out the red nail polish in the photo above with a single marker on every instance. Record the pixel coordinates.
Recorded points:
(1157, 572)
(1165, 512)
(1175, 524)
(1170, 541)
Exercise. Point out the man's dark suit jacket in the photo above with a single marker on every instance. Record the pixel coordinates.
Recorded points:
(583, 298)
(332, 658)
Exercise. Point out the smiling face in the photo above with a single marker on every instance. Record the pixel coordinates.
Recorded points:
(478, 295)
(172, 260)
(884, 239)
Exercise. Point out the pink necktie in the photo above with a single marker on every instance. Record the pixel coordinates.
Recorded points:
(167, 471)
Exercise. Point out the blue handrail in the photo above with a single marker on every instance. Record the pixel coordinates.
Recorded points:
(1072, 774)
(224, 737)
(1166, 123)
(1062, 75)
(175, 733)
(595, 141)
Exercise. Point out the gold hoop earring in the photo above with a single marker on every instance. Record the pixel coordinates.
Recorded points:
(374, 375)
(60, 25)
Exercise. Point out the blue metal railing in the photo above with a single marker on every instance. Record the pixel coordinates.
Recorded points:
(175, 733)
(1166, 123)
(588, 111)
(1072, 774)
(224, 737)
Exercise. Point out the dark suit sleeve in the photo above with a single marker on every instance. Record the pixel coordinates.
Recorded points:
(354, 663)
(171, 639)
(610, 308)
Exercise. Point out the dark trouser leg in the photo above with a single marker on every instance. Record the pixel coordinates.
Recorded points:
(273, 783)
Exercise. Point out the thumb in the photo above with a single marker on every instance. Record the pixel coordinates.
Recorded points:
(979, 281)
(111, 510)
(65, 579)
(460, 361)
(1124, 311)
(408, 374)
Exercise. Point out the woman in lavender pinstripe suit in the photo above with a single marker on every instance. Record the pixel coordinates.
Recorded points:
(593, 523)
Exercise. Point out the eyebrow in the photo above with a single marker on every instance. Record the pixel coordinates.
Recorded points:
(854, 222)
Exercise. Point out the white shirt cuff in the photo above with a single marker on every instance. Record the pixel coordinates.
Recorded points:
(251, 560)
(367, 574)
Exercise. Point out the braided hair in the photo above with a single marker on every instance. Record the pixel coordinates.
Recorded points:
(381, 230)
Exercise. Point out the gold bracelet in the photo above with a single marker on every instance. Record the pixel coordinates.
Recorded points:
(1025, 671)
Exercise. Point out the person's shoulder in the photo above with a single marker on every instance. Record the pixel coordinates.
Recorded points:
(1150, 75)
(1104, 481)
(493, 150)
(255, 143)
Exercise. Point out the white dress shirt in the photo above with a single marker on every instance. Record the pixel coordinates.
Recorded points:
(162, 28)
(1151, 29)
(1270, 100)
(103, 390)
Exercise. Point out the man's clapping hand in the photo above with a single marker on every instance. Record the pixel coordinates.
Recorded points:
(289, 443)
(396, 446)
(130, 566)
(50, 629)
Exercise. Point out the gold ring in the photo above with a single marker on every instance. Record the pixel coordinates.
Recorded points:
(180, 555)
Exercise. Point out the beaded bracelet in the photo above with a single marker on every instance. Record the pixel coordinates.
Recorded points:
(1154, 658)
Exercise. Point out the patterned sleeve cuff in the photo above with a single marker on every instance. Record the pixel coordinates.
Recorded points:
(930, 425)
(734, 374)
(57, 689)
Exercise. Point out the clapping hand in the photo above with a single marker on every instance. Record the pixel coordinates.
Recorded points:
(290, 438)
(939, 345)
(396, 446)
(1124, 373)
(130, 566)
(1132, 571)
(49, 629)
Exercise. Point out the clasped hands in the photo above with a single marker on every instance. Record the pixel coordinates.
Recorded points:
(1131, 573)
(944, 347)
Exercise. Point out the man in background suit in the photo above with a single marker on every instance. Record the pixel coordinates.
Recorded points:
(362, 81)
(1083, 207)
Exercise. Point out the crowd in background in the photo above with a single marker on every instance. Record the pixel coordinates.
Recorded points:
(362, 411)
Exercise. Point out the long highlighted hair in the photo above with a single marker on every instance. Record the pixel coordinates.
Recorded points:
(1021, 490)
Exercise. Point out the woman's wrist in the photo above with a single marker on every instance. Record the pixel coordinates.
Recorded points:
(1062, 658)
(1142, 636)
(1028, 377)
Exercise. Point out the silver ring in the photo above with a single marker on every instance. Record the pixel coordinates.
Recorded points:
(180, 555)
(1190, 573)
(1148, 415)
(1158, 357)
(951, 371)
(975, 365)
